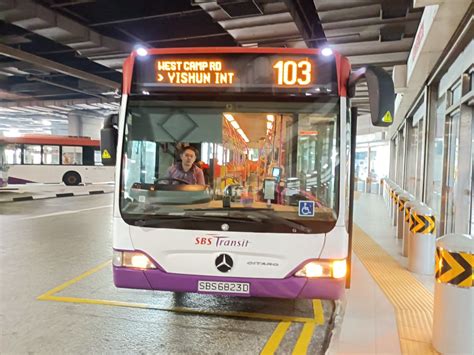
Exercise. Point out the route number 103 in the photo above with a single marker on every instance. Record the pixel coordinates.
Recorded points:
(290, 72)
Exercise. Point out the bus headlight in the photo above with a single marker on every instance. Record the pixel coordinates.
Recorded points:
(339, 269)
(336, 269)
(132, 259)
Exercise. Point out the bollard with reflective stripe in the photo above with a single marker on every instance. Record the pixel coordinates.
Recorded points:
(423, 241)
(454, 268)
(402, 199)
(392, 202)
(388, 194)
(391, 190)
(453, 316)
(384, 189)
(396, 192)
(389, 198)
(406, 225)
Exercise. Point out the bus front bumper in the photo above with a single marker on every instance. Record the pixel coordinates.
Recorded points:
(290, 287)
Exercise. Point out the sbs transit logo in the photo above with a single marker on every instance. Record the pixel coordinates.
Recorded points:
(220, 241)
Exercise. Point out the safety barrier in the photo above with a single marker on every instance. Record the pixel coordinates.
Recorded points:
(385, 191)
(402, 199)
(393, 187)
(406, 226)
(396, 192)
(423, 240)
(453, 320)
(389, 186)
(450, 259)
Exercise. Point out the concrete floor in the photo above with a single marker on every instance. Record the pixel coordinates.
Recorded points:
(46, 243)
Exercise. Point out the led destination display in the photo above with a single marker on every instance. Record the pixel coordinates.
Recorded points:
(259, 73)
(193, 72)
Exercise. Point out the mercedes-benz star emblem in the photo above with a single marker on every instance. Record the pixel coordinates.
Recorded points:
(224, 263)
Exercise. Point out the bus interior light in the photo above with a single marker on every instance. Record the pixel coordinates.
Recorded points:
(235, 124)
(229, 117)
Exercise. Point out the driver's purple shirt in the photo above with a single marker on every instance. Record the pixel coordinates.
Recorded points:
(193, 176)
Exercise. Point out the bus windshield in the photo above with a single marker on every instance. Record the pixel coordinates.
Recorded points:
(256, 166)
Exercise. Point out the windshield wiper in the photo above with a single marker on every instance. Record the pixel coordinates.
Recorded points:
(263, 212)
(154, 220)
(275, 218)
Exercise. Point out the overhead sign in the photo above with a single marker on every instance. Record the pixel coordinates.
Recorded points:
(193, 72)
(236, 72)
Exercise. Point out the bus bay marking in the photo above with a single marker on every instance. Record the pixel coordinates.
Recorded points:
(51, 296)
(66, 212)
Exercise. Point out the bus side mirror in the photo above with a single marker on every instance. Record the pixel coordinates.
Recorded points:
(381, 93)
(108, 140)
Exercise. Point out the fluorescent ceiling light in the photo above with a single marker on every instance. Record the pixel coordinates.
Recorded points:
(12, 133)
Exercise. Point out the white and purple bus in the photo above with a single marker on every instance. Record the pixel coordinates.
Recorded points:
(273, 134)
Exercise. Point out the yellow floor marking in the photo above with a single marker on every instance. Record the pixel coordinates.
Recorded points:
(318, 312)
(73, 281)
(275, 339)
(261, 316)
(305, 336)
(413, 303)
(304, 339)
(50, 296)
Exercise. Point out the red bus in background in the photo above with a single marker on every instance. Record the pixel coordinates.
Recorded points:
(52, 159)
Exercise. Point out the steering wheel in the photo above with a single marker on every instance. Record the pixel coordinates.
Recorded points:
(170, 180)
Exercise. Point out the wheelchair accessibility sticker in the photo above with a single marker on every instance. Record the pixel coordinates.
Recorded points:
(306, 208)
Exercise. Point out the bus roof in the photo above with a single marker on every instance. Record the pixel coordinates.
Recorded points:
(50, 140)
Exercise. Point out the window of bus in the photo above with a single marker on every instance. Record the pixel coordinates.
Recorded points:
(257, 160)
(72, 155)
(51, 154)
(97, 157)
(32, 154)
(13, 153)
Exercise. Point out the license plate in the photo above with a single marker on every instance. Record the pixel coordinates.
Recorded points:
(224, 287)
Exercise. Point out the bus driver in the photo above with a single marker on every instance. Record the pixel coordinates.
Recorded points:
(186, 169)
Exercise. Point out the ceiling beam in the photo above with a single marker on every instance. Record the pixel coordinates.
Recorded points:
(58, 103)
(55, 66)
(32, 78)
